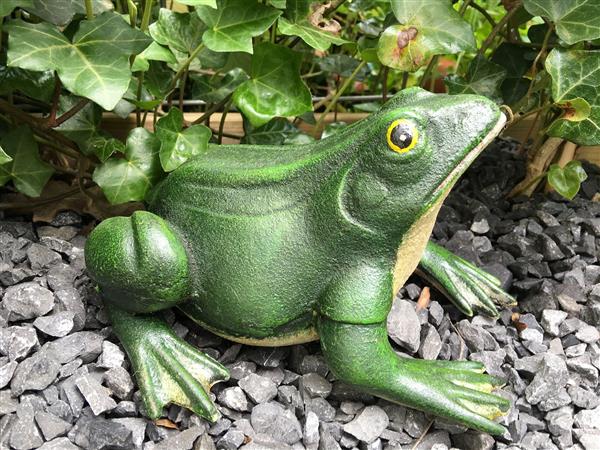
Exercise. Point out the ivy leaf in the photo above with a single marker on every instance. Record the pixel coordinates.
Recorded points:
(154, 52)
(575, 20)
(177, 146)
(576, 74)
(575, 110)
(7, 6)
(27, 171)
(483, 78)
(279, 4)
(275, 132)
(213, 89)
(4, 157)
(275, 87)
(103, 146)
(60, 12)
(567, 180)
(129, 178)
(83, 125)
(211, 3)
(427, 28)
(178, 31)
(233, 25)
(304, 18)
(95, 65)
(340, 64)
(38, 85)
(514, 58)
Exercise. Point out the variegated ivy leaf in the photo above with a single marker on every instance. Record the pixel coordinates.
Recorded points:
(575, 20)
(576, 74)
(427, 28)
(483, 78)
(95, 64)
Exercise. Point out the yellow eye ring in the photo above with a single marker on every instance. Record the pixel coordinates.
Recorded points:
(402, 136)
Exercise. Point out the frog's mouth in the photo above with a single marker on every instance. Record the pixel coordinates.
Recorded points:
(442, 190)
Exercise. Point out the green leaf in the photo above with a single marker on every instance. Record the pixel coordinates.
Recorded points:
(177, 146)
(103, 146)
(129, 178)
(275, 132)
(483, 78)
(83, 125)
(58, 12)
(158, 79)
(340, 64)
(279, 4)
(154, 52)
(7, 6)
(4, 157)
(567, 180)
(514, 58)
(333, 128)
(210, 3)
(178, 31)
(575, 110)
(575, 20)
(95, 65)
(427, 28)
(233, 25)
(213, 89)
(304, 18)
(38, 85)
(275, 87)
(514, 89)
(576, 74)
(27, 171)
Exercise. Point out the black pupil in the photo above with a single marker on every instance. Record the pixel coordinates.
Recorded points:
(401, 136)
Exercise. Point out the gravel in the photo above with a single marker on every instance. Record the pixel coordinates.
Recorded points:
(66, 383)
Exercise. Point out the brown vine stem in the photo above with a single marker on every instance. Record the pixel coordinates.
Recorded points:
(536, 167)
(484, 13)
(70, 113)
(222, 122)
(36, 125)
(55, 98)
(214, 108)
(36, 203)
(488, 41)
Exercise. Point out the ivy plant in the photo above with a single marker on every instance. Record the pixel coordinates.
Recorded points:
(171, 67)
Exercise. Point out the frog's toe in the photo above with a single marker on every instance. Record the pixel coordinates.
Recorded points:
(467, 286)
(467, 394)
(167, 369)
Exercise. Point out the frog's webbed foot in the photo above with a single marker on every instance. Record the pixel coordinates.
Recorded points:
(167, 369)
(466, 285)
(456, 390)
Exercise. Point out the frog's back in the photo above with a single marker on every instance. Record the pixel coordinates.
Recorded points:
(245, 212)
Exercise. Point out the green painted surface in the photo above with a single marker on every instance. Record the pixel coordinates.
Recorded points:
(274, 245)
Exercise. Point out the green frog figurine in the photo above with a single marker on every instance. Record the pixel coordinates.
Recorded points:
(280, 245)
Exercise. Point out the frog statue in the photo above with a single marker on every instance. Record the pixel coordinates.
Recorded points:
(279, 245)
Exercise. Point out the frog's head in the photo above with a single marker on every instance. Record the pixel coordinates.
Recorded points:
(411, 153)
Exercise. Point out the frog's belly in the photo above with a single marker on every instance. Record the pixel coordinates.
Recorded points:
(257, 278)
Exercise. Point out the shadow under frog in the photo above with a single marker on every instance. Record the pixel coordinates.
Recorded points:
(279, 245)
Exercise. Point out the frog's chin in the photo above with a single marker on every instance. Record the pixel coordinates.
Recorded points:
(445, 186)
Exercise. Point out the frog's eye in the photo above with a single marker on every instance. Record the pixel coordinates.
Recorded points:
(402, 135)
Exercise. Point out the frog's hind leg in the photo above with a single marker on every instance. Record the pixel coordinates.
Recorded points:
(142, 267)
(168, 369)
(466, 285)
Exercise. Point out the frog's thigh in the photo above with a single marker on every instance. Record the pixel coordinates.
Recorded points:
(139, 262)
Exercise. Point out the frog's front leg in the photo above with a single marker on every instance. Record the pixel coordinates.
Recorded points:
(142, 267)
(465, 285)
(354, 340)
